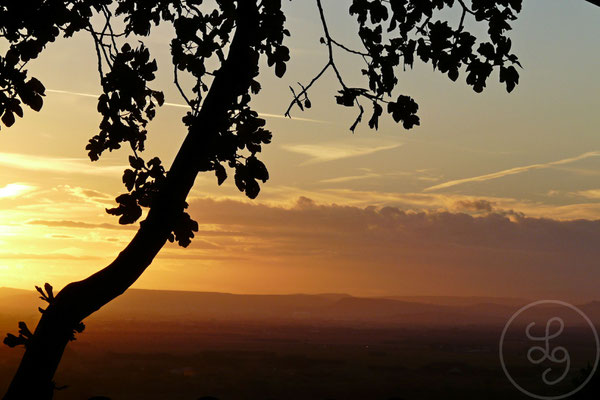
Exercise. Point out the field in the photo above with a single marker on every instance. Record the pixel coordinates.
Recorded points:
(159, 356)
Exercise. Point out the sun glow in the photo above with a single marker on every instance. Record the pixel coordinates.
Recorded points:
(14, 190)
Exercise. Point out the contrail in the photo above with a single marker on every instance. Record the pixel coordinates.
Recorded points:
(512, 171)
(317, 121)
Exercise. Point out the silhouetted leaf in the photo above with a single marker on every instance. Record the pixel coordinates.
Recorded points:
(160, 97)
(136, 162)
(280, 68)
(24, 330)
(510, 76)
(13, 341)
(220, 173)
(49, 292)
(404, 110)
(252, 188)
(184, 228)
(8, 118)
(36, 85)
(377, 111)
(257, 169)
(129, 179)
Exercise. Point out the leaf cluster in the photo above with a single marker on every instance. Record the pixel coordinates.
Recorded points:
(202, 39)
(126, 104)
(142, 181)
(396, 33)
(29, 26)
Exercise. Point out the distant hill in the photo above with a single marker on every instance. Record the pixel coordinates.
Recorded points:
(18, 301)
(180, 306)
(462, 301)
(7, 292)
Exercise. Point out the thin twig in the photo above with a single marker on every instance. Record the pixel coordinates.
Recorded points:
(305, 90)
(341, 46)
(176, 81)
(328, 42)
(464, 6)
(98, 54)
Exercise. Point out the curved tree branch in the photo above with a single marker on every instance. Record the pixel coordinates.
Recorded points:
(78, 300)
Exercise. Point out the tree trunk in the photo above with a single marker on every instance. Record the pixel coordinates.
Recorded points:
(78, 300)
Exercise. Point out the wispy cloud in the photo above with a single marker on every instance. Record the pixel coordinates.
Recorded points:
(343, 179)
(80, 225)
(373, 175)
(51, 256)
(56, 236)
(61, 165)
(178, 105)
(330, 152)
(512, 171)
(88, 195)
(593, 194)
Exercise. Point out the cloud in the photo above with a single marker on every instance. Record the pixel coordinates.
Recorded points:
(420, 175)
(593, 194)
(475, 205)
(15, 190)
(330, 152)
(54, 236)
(220, 233)
(458, 245)
(94, 194)
(343, 179)
(60, 165)
(178, 105)
(366, 249)
(50, 256)
(80, 225)
(512, 171)
(284, 195)
(88, 195)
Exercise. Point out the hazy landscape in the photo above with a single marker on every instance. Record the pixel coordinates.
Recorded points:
(185, 345)
(351, 156)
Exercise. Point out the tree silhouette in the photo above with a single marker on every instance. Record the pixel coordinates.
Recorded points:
(225, 135)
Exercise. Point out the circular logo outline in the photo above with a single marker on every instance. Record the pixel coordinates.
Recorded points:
(564, 304)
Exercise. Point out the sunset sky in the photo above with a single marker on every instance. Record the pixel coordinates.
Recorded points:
(494, 194)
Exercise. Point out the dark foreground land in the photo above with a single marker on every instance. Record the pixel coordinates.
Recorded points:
(156, 345)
